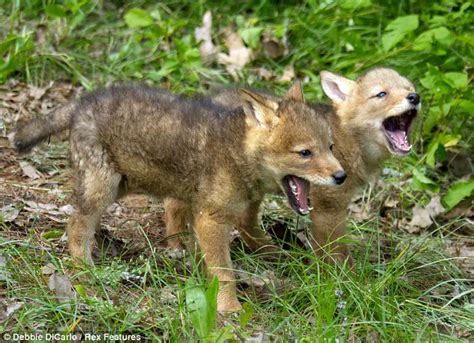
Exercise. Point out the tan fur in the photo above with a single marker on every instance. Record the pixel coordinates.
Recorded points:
(359, 144)
(361, 147)
(217, 163)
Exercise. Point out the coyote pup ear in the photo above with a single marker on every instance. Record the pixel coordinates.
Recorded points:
(336, 87)
(295, 92)
(259, 108)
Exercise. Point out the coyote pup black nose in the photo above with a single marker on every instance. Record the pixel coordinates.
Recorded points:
(339, 177)
(413, 98)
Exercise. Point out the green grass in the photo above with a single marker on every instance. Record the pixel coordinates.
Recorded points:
(394, 298)
(405, 287)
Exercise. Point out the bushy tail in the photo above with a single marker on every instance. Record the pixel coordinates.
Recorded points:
(29, 134)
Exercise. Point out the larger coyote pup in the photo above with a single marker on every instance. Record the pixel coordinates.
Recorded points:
(370, 119)
(219, 162)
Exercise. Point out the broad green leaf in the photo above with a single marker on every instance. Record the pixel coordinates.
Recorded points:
(456, 80)
(426, 39)
(431, 153)
(202, 306)
(451, 140)
(398, 29)
(198, 309)
(458, 191)
(251, 36)
(136, 17)
(245, 315)
(422, 177)
(467, 106)
(421, 182)
(55, 10)
(437, 21)
(406, 24)
(439, 145)
(211, 297)
(390, 39)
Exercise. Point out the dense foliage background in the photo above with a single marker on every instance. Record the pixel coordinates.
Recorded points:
(267, 44)
(95, 42)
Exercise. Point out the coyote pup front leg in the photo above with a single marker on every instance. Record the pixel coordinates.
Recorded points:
(213, 234)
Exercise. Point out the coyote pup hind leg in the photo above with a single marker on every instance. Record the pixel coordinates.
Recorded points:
(254, 237)
(178, 217)
(96, 188)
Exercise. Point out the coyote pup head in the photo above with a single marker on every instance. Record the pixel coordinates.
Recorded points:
(292, 143)
(379, 105)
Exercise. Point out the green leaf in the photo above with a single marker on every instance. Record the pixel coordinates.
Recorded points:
(81, 290)
(53, 234)
(421, 182)
(136, 17)
(198, 309)
(456, 80)
(211, 297)
(390, 39)
(398, 29)
(467, 106)
(427, 38)
(405, 24)
(202, 306)
(55, 11)
(251, 36)
(245, 315)
(431, 153)
(458, 191)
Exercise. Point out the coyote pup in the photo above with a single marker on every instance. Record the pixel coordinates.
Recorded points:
(219, 162)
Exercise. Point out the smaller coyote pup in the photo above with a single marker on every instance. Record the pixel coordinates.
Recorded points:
(220, 162)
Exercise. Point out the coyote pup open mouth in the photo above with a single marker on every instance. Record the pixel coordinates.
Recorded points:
(297, 191)
(396, 130)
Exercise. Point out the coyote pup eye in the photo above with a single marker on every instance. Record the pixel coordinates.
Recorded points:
(381, 94)
(305, 153)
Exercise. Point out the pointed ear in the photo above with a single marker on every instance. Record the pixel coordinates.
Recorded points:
(336, 87)
(295, 92)
(259, 108)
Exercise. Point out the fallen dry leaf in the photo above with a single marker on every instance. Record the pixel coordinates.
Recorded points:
(390, 203)
(4, 274)
(51, 209)
(7, 310)
(288, 74)
(29, 170)
(423, 216)
(48, 269)
(272, 47)
(9, 213)
(264, 74)
(465, 253)
(204, 37)
(37, 92)
(61, 286)
(360, 211)
(239, 55)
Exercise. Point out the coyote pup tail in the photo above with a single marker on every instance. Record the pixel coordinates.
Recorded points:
(29, 134)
